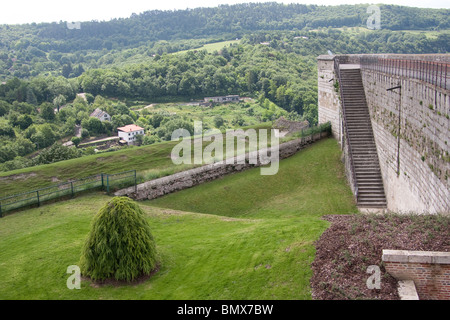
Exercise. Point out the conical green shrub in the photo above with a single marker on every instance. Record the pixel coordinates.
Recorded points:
(120, 244)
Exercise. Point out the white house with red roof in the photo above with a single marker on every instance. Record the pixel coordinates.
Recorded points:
(129, 132)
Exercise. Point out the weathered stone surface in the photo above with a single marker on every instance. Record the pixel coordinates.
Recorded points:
(416, 167)
(189, 178)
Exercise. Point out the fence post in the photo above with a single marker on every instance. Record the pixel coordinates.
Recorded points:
(107, 183)
(37, 194)
(103, 186)
(71, 186)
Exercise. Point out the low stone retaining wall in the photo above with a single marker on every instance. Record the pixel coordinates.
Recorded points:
(429, 270)
(189, 178)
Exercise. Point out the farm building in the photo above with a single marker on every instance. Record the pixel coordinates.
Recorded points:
(101, 115)
(231, 98)
(129, 133)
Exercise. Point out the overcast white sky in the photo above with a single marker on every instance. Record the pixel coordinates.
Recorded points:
(27, 11)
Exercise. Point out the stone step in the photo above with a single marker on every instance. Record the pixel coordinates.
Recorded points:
(371, 189)
(367, 175)
(352, 86)
(367, 165)
(357, 149)
(360, 163)
(358, 124)
(367, 170)
(356, 121)
(361, 152)
(371, 200)
(366, 185)
(356, 107)
(361, 141)
(357, 113)
(359, 129)
(367, 160)
(376, 205)
(351, 103)
(358, 146)
(372, 168)
(358, 132)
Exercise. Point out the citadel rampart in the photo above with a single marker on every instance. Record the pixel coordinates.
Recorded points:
(410, 123)
(189, 178)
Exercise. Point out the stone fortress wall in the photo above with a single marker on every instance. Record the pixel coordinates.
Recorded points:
(411, 124)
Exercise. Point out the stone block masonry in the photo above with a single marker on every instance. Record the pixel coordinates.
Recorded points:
(411, 126)
(328, 98)
(429, 270)
(412, 133)
(189, 178)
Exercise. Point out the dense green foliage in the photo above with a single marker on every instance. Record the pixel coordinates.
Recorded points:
(44, 66)
(120, 244)
(53, 48)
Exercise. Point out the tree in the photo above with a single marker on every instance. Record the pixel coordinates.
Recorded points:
(120, 244)
(218, 121)
(85, 133)
(24, 146)
(47, 111)
(66, 70)
(24, 121)
(59, 101)
(94, 125)
(76, 141)
(4, 108)
(31, 97)
(6, 129)
(45, 136)
(139, 139)
(57, 152)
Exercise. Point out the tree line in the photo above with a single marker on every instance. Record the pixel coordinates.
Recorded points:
(53, 49)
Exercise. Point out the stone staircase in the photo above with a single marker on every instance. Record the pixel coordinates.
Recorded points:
(360, 135)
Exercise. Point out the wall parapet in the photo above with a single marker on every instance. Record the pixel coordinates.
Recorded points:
(430, 271)
(182, 180)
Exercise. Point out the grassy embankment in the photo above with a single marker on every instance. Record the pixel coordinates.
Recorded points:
(244, 236)
(151, 162)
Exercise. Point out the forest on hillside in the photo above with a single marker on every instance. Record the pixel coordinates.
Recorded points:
(44, 66)
(34, 49)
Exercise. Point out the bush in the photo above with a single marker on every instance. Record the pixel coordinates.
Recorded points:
(57, 152)
(120, 244)
(85, 133)
(76, 141)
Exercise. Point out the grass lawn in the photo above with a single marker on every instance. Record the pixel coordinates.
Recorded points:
(211, 47)
(249, 112)
(245, 236)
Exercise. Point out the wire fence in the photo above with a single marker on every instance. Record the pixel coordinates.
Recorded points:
(102, 181)
(432, 72)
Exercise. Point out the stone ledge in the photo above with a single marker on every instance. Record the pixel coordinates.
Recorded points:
(407, 290)
(325, 57)
(405, 256)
